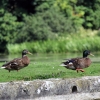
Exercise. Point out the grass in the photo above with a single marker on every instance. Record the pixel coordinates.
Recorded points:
(51, 69)
(45, 70)
(63, 44)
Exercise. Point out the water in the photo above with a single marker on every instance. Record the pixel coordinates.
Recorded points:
(50, 57)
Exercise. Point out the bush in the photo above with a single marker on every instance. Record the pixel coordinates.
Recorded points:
(9, 28)
(45, 25)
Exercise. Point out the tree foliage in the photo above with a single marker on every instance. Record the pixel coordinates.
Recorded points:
(44, 26)
(9, 28)
(29, 20)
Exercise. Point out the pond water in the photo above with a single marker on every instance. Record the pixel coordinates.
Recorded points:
(51, 57)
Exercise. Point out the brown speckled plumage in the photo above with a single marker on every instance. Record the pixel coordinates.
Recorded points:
(18, 63)
(78, 63)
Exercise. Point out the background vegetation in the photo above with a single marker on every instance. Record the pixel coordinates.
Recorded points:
(63, 45)
(25, 21)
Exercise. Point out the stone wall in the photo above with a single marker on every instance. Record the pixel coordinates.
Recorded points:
(48, 87)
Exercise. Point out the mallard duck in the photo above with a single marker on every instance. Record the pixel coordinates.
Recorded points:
(17, 63)
(78, 63)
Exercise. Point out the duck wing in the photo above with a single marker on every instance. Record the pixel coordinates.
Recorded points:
(13, 64)
(70, 63)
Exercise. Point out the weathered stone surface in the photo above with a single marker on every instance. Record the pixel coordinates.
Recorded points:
(75, 96)
(48, 87)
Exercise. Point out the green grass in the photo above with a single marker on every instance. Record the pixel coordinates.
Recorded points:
(62, 45)
(45, 70)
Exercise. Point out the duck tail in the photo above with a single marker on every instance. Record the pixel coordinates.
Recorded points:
(3, 67)
(63, 64)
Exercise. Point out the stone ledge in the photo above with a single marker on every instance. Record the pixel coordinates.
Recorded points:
(48, 87)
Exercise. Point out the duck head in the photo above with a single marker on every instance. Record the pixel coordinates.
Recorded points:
(24, 52)
(86, 53)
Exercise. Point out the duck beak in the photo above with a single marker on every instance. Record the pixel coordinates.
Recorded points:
(91, 54)
(30, 53)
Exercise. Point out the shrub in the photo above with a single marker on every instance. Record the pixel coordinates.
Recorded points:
(45, 25)
(9, 28)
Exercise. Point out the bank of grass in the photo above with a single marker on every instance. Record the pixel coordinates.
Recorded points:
(63, 44)
(46, 70)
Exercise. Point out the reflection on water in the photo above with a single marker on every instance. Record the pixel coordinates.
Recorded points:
(50, 57)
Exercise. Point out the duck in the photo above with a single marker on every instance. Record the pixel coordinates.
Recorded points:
(78, 63)
(17, 63)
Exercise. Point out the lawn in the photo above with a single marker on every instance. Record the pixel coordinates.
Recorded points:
(45, 70)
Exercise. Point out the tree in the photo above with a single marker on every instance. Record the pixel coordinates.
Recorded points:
(9, 28)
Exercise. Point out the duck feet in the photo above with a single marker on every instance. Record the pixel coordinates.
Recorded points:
(17, 70)
(9, 71)
(79, 70)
